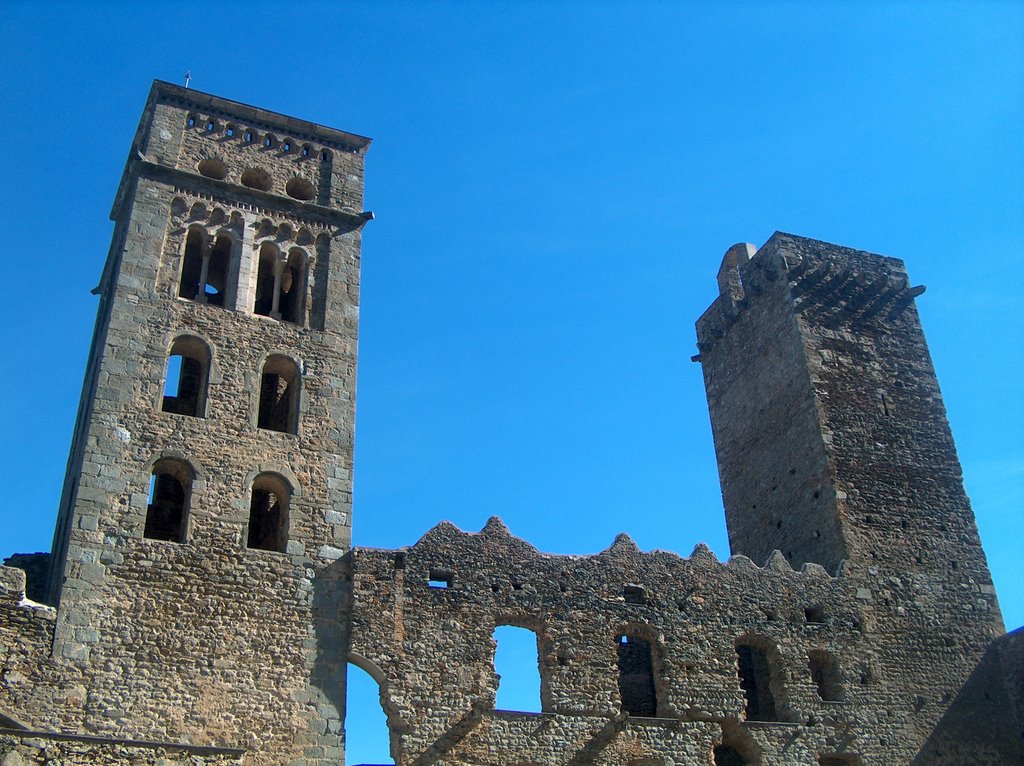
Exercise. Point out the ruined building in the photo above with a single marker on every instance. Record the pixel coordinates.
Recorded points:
(206, 598)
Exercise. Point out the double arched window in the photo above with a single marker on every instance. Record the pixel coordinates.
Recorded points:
(281, 285)
(206, 267)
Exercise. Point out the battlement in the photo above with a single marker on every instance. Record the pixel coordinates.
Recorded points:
(834, 284)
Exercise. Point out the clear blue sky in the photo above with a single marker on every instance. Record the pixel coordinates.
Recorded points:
(554, 188)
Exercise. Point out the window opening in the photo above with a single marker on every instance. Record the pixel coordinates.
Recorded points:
(281, 286)
(215, 283)
(286, 146)
(230, 131)
(278, 407)
(248, 137)
(169, 486)
(210, 126)
(636, 676)
(755, 680)
(268, 514)
(440, 578)
(192, 265)
(367, 739)
(634, 594)
(814, 615)
(185, 380)
(825, 674)
(266, 280)
(191, 121)
(269, 141)
(305, 150)
(517, 663)
(205, 268)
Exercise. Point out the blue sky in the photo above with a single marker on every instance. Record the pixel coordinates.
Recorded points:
(554, 185)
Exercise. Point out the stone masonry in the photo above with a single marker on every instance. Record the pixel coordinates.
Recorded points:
(205, 600)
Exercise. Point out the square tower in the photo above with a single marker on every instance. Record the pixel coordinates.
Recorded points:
(210, 477)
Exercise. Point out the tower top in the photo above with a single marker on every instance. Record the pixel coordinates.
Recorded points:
(337, 139)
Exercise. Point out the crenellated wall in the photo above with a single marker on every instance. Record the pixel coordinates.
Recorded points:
(432, 650)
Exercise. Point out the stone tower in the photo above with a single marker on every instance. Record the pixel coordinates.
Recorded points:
(210, 477)
(833, 447)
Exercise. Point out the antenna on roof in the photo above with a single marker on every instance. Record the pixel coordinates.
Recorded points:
(188, 78)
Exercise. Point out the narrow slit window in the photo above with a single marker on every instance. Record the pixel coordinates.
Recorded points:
(268, 514)
(636, 676)
(192, 265)
(218, 269)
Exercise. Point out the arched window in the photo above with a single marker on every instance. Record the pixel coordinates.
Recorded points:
(268, 513)
(279, 395)
(636, 676)
(188, 367)
(192, 264)
(206, 267)
(757, 678)
(517, 663)
(292, 302)
(281, 285)
(825, 674)
(367, 739)
(170, 486)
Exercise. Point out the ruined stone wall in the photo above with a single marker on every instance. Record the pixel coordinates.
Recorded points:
(432, 651)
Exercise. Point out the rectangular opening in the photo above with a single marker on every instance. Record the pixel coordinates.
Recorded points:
(634, 594)
(440, 578)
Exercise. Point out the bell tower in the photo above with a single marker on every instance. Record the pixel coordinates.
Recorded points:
(209, 484)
